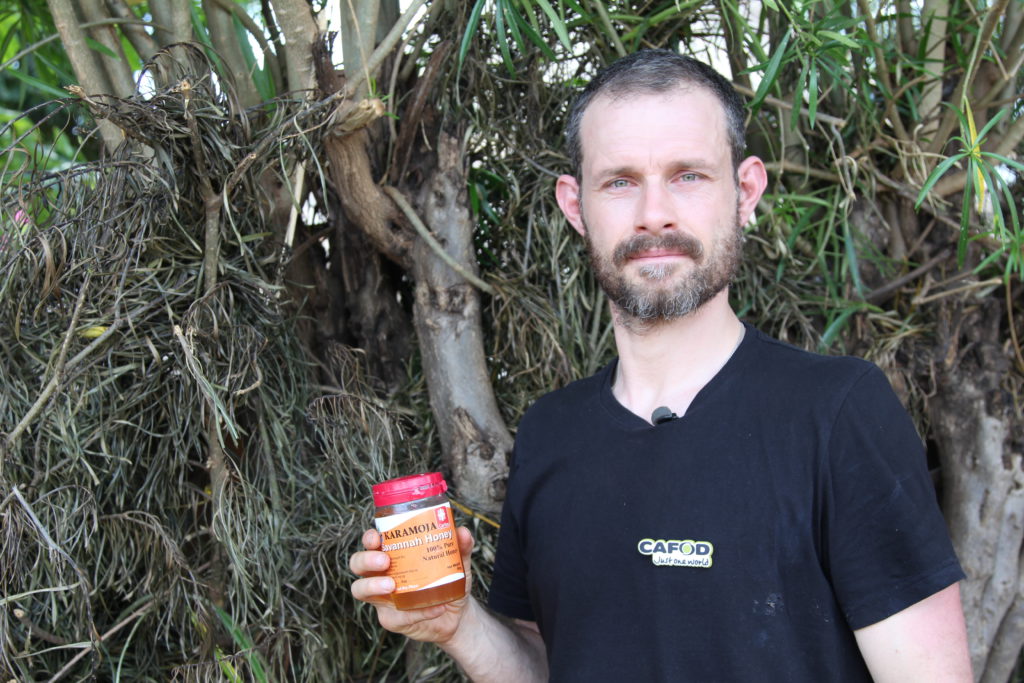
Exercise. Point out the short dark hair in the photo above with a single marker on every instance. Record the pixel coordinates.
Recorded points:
(657, 71)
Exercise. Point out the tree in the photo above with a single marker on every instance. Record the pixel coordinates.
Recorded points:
(262, 240)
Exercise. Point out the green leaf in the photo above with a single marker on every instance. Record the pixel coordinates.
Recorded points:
(989, 260)
(534, 37)
(199, 30)
(37, 84)
(128, 50)
(988, 126)
(812, 92)
(939, 171)
(770, 4)
(1004, 160)
(100, 47)
(771, 72)
(584, 14)
(837, 325)
(244, 643)
(840, 38)
(62, 73)
(509, 19)
(471, 27)
(556, 23)
(502, 38)
(997, 205)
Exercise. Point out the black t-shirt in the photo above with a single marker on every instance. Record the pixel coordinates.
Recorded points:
(743, 541)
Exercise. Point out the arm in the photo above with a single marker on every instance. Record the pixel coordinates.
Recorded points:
(924, 642)
(492, 649)
(488, 648)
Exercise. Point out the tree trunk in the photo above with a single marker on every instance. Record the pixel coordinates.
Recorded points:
(983, 485)
(474, 439)
(88, 69)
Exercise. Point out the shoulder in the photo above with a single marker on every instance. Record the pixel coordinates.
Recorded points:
(796, 372)
(570, 403)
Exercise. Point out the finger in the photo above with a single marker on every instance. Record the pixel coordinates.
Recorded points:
(368, 562)
(371, 539)
(466, 541)
(400, 620)
(375, 589)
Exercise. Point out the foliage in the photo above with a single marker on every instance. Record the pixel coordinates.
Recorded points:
(32, 65)
(137, 546)
(117, 533)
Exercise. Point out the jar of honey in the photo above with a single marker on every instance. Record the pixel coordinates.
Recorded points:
(417, 532)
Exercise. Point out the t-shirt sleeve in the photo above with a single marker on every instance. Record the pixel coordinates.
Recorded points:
(509, 594)
(888, 546)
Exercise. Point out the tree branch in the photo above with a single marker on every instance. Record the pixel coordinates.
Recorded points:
(885, 77)
(355, 80)
(133, 30)
(300, 32)
(934, 14)
(85, 62)
(358, 36)
(220, 24)
(106, 636)
(116, 64)
(950, 119)
(58, 369)
(49, 39)
(432, 242)
(269, 58)
(173, 21)
(776, 102)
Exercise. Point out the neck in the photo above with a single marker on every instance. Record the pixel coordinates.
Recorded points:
(667, 363)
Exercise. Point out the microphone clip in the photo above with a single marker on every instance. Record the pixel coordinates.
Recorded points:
(662, 414)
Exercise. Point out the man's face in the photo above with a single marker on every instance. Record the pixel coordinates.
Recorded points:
(662, 290)
(658, 201)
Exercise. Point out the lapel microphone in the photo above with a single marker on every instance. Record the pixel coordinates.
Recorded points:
(662, 414)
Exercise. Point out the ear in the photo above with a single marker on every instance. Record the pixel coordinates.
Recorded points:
(753, 179)
(567, 192)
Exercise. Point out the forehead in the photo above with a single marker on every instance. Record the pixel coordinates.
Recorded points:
(684, 121)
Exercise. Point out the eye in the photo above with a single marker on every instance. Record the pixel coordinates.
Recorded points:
(688, 177)
(619, 183)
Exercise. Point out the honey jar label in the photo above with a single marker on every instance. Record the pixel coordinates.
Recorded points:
(423, 549)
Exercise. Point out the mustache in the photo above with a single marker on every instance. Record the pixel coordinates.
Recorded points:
(687, 245)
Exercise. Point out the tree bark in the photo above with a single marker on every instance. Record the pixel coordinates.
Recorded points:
(300, 33)
(222, 34)
(136, 34)
(935, 15)
(983, 485)
(88, 69)
(173, 22)
(358, 36)
(474, 438)
(116, 65)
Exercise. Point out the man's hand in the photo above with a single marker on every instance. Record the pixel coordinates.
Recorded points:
(489, 649)
(436, 624)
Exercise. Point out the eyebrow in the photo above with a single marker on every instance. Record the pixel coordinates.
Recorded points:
(687, 164)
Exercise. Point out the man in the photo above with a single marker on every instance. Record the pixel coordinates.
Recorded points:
(714, 505)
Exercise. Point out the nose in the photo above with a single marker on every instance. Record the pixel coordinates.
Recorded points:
(656, 211)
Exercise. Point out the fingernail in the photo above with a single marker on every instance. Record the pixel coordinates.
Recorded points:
(386, 585)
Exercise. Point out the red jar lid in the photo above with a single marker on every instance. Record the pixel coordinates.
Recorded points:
(404, 489)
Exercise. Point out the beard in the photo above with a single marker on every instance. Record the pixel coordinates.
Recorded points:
(656, 297)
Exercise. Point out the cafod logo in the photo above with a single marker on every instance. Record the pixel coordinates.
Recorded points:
(674, 553)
